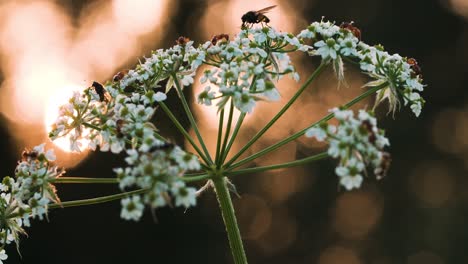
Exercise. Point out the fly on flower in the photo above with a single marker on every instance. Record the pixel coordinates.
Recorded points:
(101, 91)
(254, 17)
(350, 26)
(182, 40)
(219, 38)
(165, 146)
(414, 66)
(120, 75)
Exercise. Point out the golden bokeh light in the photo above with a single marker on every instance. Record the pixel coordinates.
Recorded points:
(279, 185)
(281, 234)
(432, 184)
(254, 216)
(449, 130)
(52, 112)
(357, 213)
(45, 54)
(339, 255)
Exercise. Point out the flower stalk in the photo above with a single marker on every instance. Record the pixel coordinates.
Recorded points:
(230, 221)
(302, 132)
(260, 133)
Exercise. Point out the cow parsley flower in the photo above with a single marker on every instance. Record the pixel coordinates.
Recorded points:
(3, 256)
(185, 196)
(258, 54)
(35, 175)
(400, 76)
(159, 170)
(132, 208)
(357, 143)
(327, 49)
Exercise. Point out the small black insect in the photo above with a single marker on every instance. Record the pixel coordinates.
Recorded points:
(165, 146)
(119, 76)
(254, 17)
(101, 91)
(220, 38)
(415, 67)
(350, 26)
(27, 155)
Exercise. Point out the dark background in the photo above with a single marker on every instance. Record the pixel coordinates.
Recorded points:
(417, 214)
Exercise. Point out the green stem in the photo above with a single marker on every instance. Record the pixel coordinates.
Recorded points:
(233, 137)
(260, 133)
(220, 135)
(279, 166)
(98, 200)
(91, 126)
(226, 135)
(186, 178)
(195, 178)
(84, 180)
(191, 118)
(242, 115)
(183, 131)
(302, 132)
(230, 222)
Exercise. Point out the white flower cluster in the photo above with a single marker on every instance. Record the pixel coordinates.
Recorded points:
(402, 75)
(129, 123)
(159, 170)
(28, 195)
(34, 176)
(111, 116)
(81, 111)
(110, 123)
(180, 62)
(357, 143)
(12, 211)
(247, 68)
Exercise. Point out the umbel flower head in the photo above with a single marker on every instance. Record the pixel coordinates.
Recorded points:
(159, 170)
(34, 175)
(247, 68)
(116, 123)
(244, 69)
(357, 143)
(400, 76)
(27, 195)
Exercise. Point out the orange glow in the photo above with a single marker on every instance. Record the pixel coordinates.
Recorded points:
(432, 183)
(357, 213)
(143, 14)
(33, 63)
(459, 6)
(450, 127)
(45, 55)
(52, 112)
(253, 215)
(282, 232)
(279, 185)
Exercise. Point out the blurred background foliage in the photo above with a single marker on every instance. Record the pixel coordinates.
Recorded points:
(416, 215)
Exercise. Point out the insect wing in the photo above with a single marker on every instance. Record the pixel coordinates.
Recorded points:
(266, 9)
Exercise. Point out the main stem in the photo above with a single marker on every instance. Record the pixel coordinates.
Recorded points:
(230, 222)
